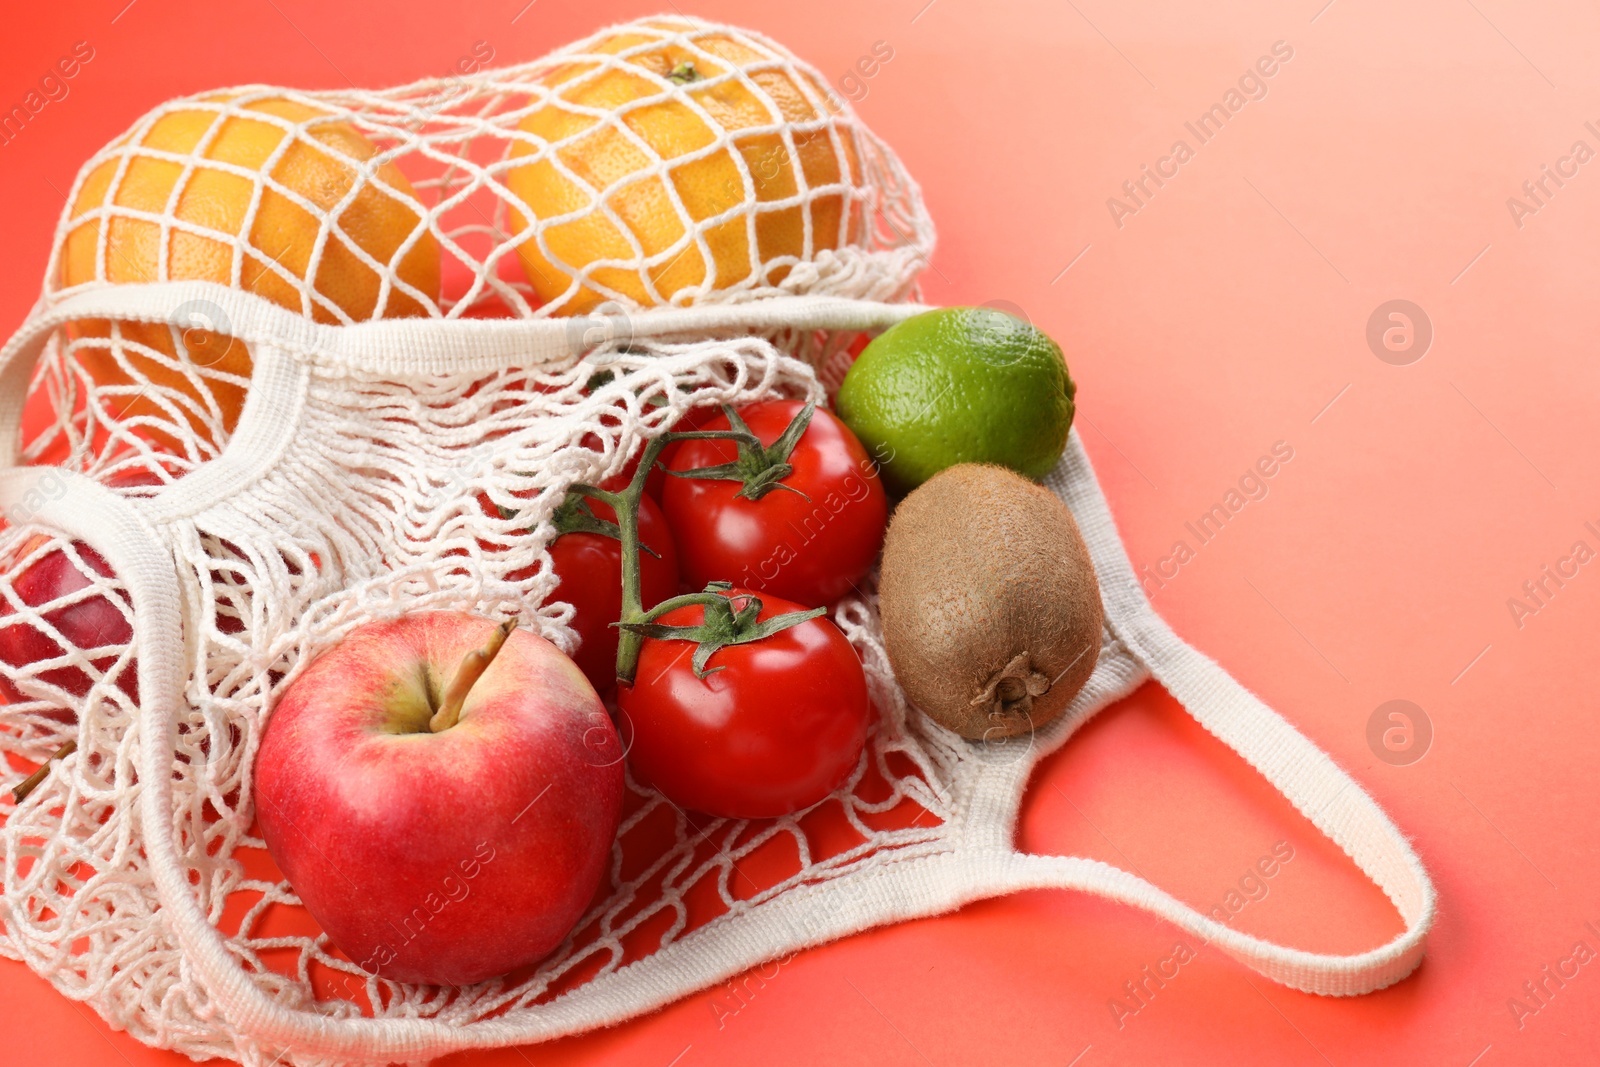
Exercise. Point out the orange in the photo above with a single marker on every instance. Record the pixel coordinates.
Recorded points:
(215, 205)
(603, 158)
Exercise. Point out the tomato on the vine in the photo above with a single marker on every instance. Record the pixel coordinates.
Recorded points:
(795, 509)
(693, 419)
(745, 730)
(588, 565)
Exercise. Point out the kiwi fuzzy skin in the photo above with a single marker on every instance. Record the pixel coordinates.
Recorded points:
(989, 603)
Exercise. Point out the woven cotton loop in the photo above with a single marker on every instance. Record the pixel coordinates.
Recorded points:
(1317, 787)
(1310, 972)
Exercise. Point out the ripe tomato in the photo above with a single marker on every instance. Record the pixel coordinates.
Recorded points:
(809, 550)
(589, 566)
(774, 726)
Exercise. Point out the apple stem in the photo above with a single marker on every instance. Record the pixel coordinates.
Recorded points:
(473, 664)
(30, 783)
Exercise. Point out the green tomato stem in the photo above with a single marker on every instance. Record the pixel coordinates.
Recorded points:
(635, 621)
(720, 625)
(626, 505)
(757, 468)
(683, 600)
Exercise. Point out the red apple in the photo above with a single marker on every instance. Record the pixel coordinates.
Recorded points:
(91, 624)
(433, 848)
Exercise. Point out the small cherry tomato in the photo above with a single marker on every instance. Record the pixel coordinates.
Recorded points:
(800, 519)
(589, 566)
(773, 726)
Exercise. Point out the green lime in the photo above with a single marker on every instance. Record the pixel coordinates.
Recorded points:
(959, 385)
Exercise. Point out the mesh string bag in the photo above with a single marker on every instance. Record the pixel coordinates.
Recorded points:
(295, 353)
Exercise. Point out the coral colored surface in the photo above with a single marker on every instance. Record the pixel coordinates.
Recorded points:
(1207, 319)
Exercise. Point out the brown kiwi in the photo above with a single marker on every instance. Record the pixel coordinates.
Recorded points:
(990, 607)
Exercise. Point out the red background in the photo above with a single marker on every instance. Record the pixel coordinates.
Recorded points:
(1227, 314)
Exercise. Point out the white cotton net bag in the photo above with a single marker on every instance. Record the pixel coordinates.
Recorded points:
(294, 353)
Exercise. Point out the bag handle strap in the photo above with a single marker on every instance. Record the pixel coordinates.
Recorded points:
(1296, 767)
(408, 347)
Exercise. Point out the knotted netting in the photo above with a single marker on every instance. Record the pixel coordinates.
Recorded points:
(305, 360)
